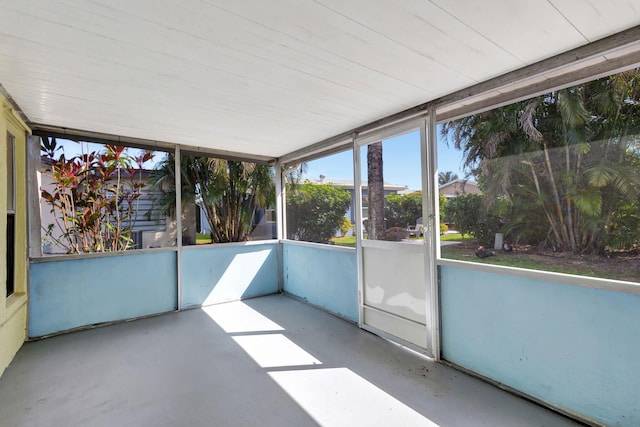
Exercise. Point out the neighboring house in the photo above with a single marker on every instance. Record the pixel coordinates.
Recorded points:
(151, 229)
(457, 187)
(348, 185)
(265, 225)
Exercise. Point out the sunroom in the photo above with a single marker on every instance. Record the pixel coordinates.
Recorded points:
(527, 315)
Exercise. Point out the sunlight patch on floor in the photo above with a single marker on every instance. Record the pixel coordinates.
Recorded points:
(339, 397)
(331, 396)
(237, 317)
(274, 350)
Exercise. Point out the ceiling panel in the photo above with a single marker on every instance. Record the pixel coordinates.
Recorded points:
(431, 31)
(529, 30)
(597, 19)
(269, 78)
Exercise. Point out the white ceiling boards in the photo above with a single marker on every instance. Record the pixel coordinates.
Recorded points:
(271, 77)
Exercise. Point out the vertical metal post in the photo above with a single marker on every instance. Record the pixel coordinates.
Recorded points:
(427, 224)
(428, 134)
(280, 208)
(178, 184)
(357, 193)
(34, 222)
(33, 196)
(280, 201)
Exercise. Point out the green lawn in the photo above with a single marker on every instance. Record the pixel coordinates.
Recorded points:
(535, 262)
(518, 260)
(349, 241)
(454, 237)
(500, 259)
(202, 239)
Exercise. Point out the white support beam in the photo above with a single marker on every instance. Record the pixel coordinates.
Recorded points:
(33, 197)
(280, 200)
(178, 184)
(357, 193)
(429, 142)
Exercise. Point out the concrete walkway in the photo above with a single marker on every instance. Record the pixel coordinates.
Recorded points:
(270, 361)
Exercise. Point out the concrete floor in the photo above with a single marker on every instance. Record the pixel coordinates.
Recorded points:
(271, 361)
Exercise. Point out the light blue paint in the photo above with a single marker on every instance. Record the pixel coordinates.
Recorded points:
(572, 346)
(215, 274)
(71, 293)
(322, 276)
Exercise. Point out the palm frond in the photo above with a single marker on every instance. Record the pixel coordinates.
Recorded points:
(527, 120)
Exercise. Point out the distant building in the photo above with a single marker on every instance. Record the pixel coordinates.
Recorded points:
(348, 185)
(457, 187)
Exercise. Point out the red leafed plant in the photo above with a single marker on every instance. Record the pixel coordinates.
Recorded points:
(94, 197)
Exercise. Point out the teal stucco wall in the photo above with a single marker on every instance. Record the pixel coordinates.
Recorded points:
(229, 272)
(572, 346)
(74, 292)
(322, 275)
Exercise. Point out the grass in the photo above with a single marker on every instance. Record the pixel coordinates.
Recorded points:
(526, 261)
(531, 262)
(507, 261)
(202, 238)
(349, 241)
(453, 237)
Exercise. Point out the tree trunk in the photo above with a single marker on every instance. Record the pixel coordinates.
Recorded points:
(375, 179)
(556, 199)
(552, 223)
(567, 190)
(189, 211)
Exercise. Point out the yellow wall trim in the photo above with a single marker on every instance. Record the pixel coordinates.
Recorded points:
(13, 310)
(13, 116)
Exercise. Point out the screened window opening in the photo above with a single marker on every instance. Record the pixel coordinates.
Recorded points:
(392, 189)
(104, 198)
(226, 201)
(320, 201)
(557, 179)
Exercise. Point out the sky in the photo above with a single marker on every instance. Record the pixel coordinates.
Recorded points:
(400, 155)
(400, 158)
(72, 148)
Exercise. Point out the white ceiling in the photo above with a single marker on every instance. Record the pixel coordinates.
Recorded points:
(270, 77)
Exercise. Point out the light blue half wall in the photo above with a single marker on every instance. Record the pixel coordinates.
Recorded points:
(69, 293)
(572, 346)
(228, 272)
(322, 275)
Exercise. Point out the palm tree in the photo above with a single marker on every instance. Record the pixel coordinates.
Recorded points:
(229, 192)
(375, 191)
(563, 159)
(446, 177)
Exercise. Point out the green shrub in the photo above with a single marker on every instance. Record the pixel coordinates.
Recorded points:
(315, 212)
(469, 215)
(443, 228)
(345, 226)
(402, 210)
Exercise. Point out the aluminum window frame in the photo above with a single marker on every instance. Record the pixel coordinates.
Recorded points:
(33, 160)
